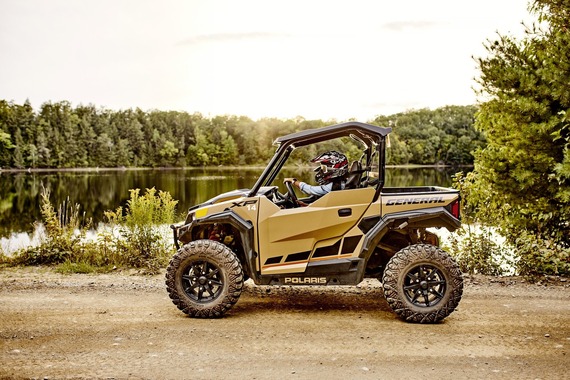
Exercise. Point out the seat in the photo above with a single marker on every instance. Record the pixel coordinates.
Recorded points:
(354, 175)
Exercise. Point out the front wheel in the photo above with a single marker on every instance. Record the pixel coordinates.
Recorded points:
(204, 279)
(422, 284)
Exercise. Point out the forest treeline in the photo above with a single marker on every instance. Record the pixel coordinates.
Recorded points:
(59, 135)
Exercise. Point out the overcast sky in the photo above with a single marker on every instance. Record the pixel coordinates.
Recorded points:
(323, 59)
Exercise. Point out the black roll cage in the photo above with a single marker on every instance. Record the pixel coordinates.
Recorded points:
(371, 135)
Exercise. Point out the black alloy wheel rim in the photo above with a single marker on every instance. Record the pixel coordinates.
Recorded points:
(424, 285)
(202, 281)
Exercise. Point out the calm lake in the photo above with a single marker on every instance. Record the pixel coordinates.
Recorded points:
(99, 191)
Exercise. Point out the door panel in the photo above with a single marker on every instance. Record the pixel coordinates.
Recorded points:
(287, 237)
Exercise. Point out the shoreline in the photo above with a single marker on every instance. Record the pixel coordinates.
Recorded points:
(225, 167)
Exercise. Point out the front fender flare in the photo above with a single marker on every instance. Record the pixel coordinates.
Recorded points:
(244, 227)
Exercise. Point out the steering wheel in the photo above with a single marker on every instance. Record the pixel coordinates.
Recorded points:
(291, 194)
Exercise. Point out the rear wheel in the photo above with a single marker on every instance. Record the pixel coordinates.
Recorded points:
(204, 279)
(422, 284)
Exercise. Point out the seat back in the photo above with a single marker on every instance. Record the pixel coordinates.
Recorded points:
(354, 175)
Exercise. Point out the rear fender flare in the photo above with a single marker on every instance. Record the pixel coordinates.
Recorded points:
(426, 218)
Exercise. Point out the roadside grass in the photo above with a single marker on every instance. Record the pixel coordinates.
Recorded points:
(133, 237)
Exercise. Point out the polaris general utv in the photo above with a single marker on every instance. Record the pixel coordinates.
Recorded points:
(363, 230)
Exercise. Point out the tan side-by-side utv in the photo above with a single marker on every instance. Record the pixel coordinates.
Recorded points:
(363, 230)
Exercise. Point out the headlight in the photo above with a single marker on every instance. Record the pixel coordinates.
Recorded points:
(189, 218)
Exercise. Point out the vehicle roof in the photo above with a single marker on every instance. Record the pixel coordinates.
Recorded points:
(368, 132)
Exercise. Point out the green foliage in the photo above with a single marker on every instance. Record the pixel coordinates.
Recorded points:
(477, 251)
(63, 238)
(445, 135)
(521, 181)
(141, 243)
(69, 267)
(5, 147)
(476, 247)
(540, 256)
(147, 210)
(60, 136)
(135, 238)
(4, 259)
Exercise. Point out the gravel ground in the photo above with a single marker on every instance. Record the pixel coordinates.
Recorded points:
(123, 326)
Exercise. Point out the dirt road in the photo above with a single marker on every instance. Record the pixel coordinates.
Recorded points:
(122, 326)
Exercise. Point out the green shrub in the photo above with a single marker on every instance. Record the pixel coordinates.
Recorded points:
(134, 239)
(477, 250)
(141, 242)
(64, 234)
(69, 267)
(4, 259)
(540, 256)
(474, 248)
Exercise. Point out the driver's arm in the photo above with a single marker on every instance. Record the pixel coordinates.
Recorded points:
(308, 189)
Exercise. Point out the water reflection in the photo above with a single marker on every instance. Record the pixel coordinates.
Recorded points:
(99, 191)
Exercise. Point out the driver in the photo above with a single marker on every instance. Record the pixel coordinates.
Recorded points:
(330, 174)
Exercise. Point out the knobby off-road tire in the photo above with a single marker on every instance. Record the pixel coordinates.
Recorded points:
(422, 284)
(204, 279)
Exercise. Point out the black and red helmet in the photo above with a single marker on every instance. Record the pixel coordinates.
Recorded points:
(332, 165)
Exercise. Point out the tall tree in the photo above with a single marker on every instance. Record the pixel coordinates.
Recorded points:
(521, 180)
(6, 145)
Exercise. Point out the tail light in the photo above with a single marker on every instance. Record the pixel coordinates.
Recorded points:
(454, 208)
